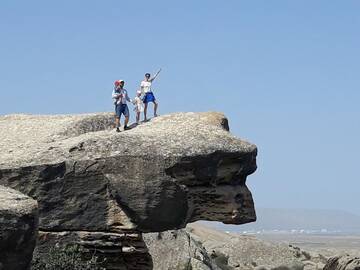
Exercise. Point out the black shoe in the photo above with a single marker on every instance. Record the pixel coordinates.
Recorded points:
(126, 128)
(117, 129)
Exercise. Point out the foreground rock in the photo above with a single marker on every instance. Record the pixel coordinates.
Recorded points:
(244, 251)
(200, 247)
(18, 229)
(158, 176)
(178, 250)
(343, 263)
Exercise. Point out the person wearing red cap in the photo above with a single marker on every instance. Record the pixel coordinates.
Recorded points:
(120, 97)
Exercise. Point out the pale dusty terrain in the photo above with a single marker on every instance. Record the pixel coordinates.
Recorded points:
(327, 245)
(247, 251)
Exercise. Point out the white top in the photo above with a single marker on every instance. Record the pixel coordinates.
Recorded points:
(137, 101)
(145, 87)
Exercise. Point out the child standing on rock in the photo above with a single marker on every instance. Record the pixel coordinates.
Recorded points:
(137, 101)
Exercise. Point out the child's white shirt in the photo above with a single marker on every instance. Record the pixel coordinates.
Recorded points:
(139, 106)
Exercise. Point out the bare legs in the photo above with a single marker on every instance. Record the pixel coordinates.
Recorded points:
(155, 109)
(126, 121)
(145, 111)
(137, 117)
(117, 121)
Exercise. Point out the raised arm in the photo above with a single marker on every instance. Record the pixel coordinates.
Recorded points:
(157, 73)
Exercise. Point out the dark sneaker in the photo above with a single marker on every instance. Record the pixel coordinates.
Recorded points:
(126, 128)
(117, 129)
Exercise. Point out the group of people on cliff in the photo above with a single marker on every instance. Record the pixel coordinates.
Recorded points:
(143, 97)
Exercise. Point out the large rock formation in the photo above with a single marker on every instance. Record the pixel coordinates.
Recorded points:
(160, 175)
(18, 229)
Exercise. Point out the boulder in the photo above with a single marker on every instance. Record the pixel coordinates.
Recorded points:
(345, 262)
(176, 249)
(18, 229)
(158, 176)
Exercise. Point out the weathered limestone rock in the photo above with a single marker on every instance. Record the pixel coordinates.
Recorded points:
(245, 252)
(175, 169)
(178, 250)
(18, 229)
(198, 247)
(343, 263)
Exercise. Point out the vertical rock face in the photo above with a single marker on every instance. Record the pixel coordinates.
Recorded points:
(18, 229)
(158, 176)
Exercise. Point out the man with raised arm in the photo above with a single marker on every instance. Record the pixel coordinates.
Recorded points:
(147, 93)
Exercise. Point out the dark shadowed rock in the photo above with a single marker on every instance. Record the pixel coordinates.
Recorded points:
(175, 169)
(18, 229)
(122, 251)
(343, 263)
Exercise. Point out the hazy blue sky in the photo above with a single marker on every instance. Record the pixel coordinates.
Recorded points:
(286, 73)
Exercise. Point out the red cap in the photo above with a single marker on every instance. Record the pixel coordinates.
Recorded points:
(117, 83)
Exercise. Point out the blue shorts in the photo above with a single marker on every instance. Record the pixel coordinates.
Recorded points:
(121, 109)
(149, 97)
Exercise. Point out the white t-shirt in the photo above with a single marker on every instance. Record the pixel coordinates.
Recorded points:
(145, 87)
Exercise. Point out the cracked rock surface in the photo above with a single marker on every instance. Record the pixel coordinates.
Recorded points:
(158, 176)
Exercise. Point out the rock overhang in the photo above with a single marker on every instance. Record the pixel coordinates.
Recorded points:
(160, 175)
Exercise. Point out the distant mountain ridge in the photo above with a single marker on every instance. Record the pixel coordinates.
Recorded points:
(270, 219)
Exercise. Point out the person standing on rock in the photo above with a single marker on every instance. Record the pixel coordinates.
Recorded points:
(120, 97)
(139, 106)
(147, 93)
